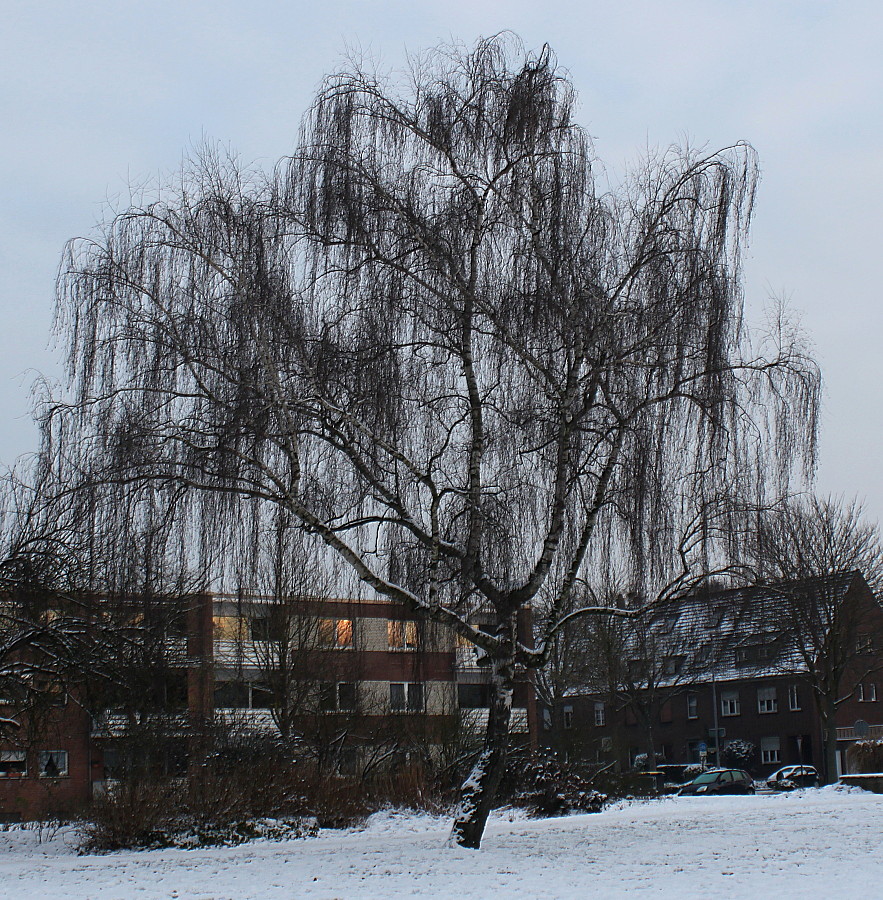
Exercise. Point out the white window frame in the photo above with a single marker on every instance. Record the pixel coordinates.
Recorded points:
(794, 698)
(730, 705)
(61, 762)
(866, 692)
(600, 714)
(767, 701)
(771, 753)
(567, 718)
(692, 706)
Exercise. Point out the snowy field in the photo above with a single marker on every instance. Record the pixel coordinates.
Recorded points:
(823, 843)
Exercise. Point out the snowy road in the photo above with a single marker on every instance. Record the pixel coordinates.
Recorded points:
(809, 844)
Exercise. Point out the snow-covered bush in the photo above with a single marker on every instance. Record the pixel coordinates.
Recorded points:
(738, 754)
(641, 762)
(865, 757)
(691, 771)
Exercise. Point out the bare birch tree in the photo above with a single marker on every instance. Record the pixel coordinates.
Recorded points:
(435, 343)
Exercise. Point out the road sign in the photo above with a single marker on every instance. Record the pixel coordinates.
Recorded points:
(703, 747)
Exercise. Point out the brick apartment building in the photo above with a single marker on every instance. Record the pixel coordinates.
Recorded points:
(361, 678)
(727, 668)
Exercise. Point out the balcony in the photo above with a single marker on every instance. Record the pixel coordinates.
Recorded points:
(875, 733)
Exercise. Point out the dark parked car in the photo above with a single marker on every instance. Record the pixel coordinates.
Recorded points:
(720, 781)
(790, 777)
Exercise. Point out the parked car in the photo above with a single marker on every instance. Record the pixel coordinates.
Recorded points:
(720, 781)
(790, 777)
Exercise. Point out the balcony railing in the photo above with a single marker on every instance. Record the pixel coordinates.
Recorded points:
(875, 733)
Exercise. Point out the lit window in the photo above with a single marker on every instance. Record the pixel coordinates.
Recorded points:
(793, 698)
(336, 633)
(730, 703)
(600, 715)
(402, 635)
(228, 628)
(692, 706)
(766, 700)
(53, 763)
(769, 750)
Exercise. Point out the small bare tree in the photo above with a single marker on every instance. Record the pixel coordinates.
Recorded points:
(442, 351)
(821, 556)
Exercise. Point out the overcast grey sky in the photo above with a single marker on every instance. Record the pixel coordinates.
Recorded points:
(100, 94)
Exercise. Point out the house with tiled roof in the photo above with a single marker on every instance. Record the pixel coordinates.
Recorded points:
(790, 668)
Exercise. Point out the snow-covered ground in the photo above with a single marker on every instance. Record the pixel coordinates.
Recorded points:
(826, 843)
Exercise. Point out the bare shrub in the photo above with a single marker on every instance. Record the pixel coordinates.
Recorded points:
(133, 813)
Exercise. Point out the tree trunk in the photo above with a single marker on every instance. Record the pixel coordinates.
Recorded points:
(479, 791)
(829, 732)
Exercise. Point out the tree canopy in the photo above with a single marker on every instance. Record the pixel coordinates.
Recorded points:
(438, 344)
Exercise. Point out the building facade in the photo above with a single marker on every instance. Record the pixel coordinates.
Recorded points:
(728, 669)
(354, 683)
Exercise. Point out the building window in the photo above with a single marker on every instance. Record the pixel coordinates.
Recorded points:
(473, 696)
(755, 654)
(265, 629)
(242, 695)
(672, 665)
(793, 698)
(13, 763)
(228, 628)
(864, 644)
(407, 697)
(261, 696)
(402, 635)
(600, 715)
(231, 695)
(730, 703)
(336, 633)
(866, 692)
(568, 717)
(53, 763)
(337, 696)
(692, 706)
(769, 750)
(766, 700)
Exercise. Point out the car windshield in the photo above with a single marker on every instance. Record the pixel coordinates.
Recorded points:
(706, 778)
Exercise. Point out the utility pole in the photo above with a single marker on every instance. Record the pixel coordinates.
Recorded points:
(717, 731)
